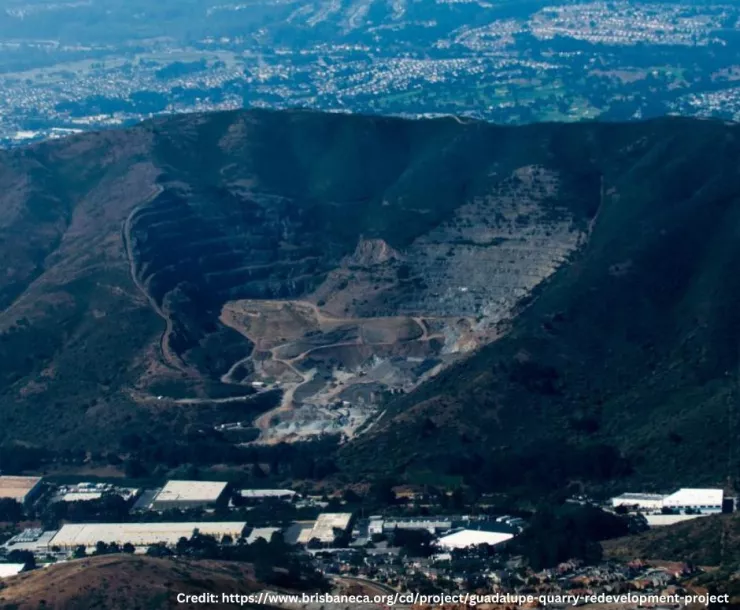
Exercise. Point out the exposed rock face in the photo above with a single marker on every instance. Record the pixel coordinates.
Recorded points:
(408, 242)
(371, 252)
(454, 285)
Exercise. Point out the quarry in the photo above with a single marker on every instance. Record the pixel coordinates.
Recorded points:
(385, 320)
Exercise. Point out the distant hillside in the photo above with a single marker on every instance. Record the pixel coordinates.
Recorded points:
(527, 306)
(706, 541)
(124, 582)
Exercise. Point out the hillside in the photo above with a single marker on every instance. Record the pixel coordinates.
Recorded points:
(707, 541)
(510, 306)
(125, 582)
(140, 262)
(625, 361)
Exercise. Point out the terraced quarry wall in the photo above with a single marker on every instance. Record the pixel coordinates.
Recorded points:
(397, 247)
(338, 354)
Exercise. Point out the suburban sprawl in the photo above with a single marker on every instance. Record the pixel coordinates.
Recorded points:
(505, 62)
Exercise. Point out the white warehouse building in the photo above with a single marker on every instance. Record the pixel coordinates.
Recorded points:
(188, 494)
(466, 538)
(72, 535)
(646, 502)
(699, 500)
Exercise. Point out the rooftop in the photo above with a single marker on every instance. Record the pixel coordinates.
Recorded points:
(139, 534)
(16, 488)
(640, 496)
(261, 532)
(466, 538)
(10, 569)
(695, 497)
(326, 523)
(191, 491)
(266, 493)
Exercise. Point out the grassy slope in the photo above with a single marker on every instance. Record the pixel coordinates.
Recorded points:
(706, 541)
(125, 582)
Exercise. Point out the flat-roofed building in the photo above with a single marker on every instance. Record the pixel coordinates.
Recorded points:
(295, 533)
(642, 501)
(699, 500)
(266, 494)
(11, 569)
(34, 539)
(188, 494)
(659, 520)
(375, 526)
(73, 535)
(83, 492)
(431, 524)
(20, 489)
(265, 533)
(328, 526)
(467, 538)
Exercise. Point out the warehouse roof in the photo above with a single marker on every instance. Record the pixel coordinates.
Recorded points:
(266, 493)
(637, 497)
(261, 532)
(660, 520)
(191, 491)
(81, 496)
(466, 538)
(326, 523)
(10, 569)
(16, 488)
(139, 534)
(695, 497)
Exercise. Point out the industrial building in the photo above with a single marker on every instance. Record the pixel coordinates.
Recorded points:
(71, 536)
(84, 492)
(431, 524)
(467, 538)
(188, 494)
(33, 539)
(265, 533)
(266, 494)
(20, 489)
(327, 527)
(375, 526)
(685, 499)
(660, 520)
(645, 502)
(10, 569)
(698, 500)
(298, 532)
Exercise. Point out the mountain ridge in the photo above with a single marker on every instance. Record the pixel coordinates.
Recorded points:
(419, 243)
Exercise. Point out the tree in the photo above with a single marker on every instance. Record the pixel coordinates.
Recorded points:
(415, 543)
(129, 548)
(101, 548)
(134, 469)
(158, 550)
(382, 493)
(80, 552)
(351, 497)
(10, 510)
(24, 557)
